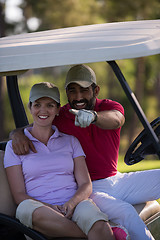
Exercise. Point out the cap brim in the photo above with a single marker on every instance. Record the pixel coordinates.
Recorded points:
(34, 98)
(83, 84)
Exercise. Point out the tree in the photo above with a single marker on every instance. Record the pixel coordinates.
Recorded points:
(128, 10)
(60, 13)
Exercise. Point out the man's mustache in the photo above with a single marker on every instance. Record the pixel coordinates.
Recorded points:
(81, 101)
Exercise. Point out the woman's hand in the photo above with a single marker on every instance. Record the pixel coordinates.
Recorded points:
(57, 208)
(67, 209)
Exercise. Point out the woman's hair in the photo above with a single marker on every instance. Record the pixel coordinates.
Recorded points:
(30, 104)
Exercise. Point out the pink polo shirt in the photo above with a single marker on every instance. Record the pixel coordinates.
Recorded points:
(100, 146)
(49, 173)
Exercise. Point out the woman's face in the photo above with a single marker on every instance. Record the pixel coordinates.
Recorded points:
(44, 111)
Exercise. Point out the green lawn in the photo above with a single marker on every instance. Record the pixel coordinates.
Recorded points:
(143, 165)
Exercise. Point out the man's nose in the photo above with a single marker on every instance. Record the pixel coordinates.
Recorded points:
(79, 96)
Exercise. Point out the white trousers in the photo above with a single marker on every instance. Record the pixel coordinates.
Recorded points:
(116, 195)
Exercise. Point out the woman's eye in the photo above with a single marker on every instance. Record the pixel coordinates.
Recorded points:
(51, 105)
(36, 105)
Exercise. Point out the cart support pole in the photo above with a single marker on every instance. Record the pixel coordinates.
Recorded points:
(16, 102)
(132, 98)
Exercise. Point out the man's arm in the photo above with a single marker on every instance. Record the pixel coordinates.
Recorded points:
(111, 119)
(20, 143)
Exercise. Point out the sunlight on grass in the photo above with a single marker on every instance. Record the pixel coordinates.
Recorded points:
(143, 165)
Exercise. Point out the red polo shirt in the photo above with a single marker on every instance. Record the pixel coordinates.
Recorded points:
(100, 146)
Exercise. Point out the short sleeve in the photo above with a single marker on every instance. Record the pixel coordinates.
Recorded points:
(10, 158)
(77, 148)
(107, 104)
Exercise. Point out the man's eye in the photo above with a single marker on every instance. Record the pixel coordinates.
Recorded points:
(84, 90)
(71, 91)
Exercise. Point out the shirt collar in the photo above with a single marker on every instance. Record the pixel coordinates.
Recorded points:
(56, 133)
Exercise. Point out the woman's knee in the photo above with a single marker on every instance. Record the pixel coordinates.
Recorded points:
(99, 226)
(25, 211)
(86, 214)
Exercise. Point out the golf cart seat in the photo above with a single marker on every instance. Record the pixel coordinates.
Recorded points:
(149, 212)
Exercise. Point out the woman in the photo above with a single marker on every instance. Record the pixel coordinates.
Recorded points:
(51, 187)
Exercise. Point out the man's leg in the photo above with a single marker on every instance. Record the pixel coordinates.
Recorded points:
(134, 187)
(123, 190)
(122, 213)
(137, 187)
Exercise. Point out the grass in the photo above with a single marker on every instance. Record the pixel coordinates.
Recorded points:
(143, 165)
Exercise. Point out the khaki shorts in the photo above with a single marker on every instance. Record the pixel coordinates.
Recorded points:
(85, 214)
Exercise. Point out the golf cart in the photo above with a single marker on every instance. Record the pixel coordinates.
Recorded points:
(68, 46)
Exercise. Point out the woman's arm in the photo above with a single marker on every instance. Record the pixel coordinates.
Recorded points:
(84, 186)
(16, 183)
(17, 186)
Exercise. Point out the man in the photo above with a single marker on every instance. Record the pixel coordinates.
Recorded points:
(97, 124)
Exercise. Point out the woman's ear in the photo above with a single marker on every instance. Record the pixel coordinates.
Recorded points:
(29, 106)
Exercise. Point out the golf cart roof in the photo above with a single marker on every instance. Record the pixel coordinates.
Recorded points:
(83, 44)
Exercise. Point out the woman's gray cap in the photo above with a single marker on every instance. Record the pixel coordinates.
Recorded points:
(44, 89)
(82, 75)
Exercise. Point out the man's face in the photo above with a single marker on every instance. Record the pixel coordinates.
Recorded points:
(81, 98)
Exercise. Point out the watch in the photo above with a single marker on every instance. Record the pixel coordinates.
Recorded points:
(95, 116)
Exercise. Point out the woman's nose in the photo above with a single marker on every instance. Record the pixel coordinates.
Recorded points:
(43, 108)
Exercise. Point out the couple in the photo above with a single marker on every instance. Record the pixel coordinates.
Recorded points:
(52, 187)
(97, 124)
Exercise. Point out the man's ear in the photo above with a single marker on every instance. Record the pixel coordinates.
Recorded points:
(58, 109)
(96, 90)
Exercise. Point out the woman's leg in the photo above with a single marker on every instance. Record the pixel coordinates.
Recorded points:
(92, 221)
(53, 224)
(44, 219)
(101, 230)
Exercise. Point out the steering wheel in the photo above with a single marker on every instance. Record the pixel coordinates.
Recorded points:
(142, 145)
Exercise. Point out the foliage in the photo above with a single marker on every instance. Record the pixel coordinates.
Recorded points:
(60, 13)
(130, 10)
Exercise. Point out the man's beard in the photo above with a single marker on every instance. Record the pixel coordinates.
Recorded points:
(89, 105)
